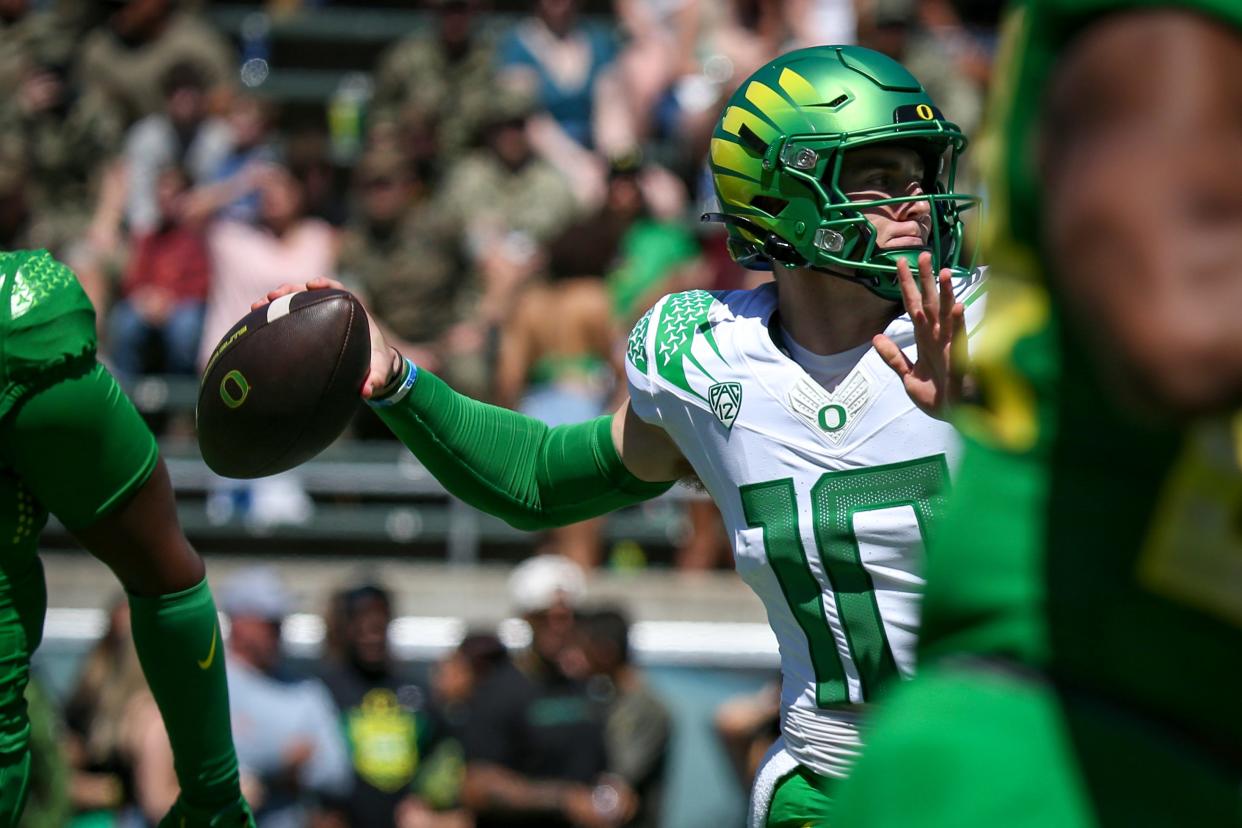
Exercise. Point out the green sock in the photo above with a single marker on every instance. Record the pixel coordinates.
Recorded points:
(179, 646)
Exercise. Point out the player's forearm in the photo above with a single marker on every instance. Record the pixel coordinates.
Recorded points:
(511, 465)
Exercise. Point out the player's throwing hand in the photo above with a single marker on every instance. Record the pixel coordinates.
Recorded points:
(386, 361)
(934, 382)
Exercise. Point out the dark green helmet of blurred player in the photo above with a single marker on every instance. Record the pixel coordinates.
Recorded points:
(776, 162)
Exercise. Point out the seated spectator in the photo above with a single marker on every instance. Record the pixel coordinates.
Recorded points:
(637, 240)
(308, 156)
(127, 59)
(387, 721)
(563, 62)
(433, 89)
(459, 674)
(661, 46)
(401, 256)
(589, 246)
(101, 721)
(14, 205)
(164, 290)
(455, 681)
(181, 134)
(507, 203)
(59, 136)
(251, 143)
(638, 726)
(558, 361)
(583, 113)
(288, 737)
(534, 740)
(249, 260)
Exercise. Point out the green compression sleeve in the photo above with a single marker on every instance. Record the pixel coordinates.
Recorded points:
(178, 642)
(511, 465)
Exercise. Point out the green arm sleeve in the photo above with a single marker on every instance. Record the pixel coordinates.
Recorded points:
(513, 466)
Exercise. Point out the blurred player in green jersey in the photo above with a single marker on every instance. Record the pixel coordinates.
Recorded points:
(1081, 654)
(72, 445)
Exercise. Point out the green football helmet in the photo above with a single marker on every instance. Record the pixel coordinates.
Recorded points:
(776, 161)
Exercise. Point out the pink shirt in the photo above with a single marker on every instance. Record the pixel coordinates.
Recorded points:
(248, 261)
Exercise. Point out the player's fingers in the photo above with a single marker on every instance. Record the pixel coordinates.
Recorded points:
(931, 300)
(284, 290)
(321, 282)
(370, 384)
(909, 292)
(893, 356)
(948, 302)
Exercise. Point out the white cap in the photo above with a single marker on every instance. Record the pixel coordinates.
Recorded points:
(255, 592)
(537, 582)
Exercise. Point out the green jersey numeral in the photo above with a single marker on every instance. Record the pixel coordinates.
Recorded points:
(835, 498)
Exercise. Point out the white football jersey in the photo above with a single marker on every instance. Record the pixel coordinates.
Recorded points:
(825, 495)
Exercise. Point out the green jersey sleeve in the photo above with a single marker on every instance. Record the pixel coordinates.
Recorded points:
(48, 324)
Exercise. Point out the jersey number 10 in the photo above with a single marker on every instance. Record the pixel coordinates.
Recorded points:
(836, 497)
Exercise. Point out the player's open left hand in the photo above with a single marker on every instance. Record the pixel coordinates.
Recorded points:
(935, 381)
(386, 361)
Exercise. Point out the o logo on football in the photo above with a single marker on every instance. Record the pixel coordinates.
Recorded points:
(234, 398)
(832, 417)
(925, 112)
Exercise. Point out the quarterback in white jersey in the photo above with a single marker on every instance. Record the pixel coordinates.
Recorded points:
(807, 407)
(826, 474)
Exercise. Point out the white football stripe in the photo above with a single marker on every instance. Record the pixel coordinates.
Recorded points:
(279, 308)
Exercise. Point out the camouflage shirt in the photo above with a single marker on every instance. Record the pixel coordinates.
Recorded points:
(410, 273)
(481, 193)
(418, 74)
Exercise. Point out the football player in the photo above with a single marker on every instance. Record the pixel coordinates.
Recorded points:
(72, 444)
(806, 407)
(1083, 627)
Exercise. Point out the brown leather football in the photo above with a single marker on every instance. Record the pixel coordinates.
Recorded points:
(283, 383)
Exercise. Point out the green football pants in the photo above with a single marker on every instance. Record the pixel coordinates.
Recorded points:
(788, 795)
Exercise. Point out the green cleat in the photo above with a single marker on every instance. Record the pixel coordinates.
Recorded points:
(182, 815)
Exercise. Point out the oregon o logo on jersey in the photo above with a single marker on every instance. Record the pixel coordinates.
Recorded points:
(726, 401)
(832, 417)
(235, 393)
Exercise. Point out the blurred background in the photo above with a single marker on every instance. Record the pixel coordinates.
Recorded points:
(507, 185)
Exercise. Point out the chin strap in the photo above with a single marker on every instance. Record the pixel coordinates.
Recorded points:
(773, 247)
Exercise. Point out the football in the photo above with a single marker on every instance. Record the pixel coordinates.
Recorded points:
(283, 383)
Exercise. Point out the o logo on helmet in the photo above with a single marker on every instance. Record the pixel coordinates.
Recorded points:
(236, 394)
(925, 112)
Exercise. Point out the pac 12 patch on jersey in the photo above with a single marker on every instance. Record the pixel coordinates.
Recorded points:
(726, 401)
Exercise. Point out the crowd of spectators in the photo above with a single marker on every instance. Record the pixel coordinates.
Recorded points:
(563, 731)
